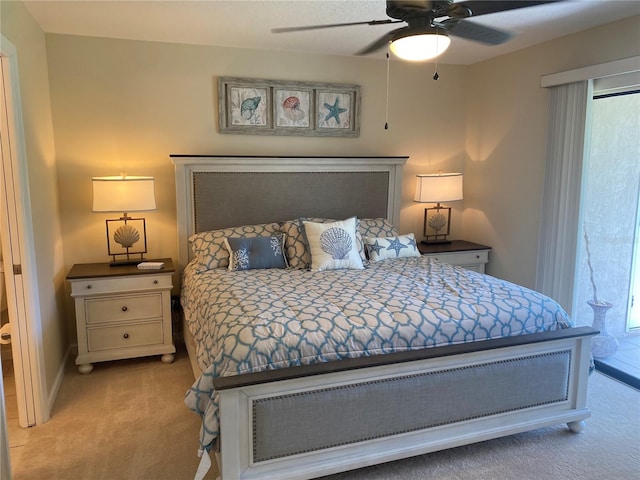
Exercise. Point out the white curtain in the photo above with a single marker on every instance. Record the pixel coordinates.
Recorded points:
(568, 112)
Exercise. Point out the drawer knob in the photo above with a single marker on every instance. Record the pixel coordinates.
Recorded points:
(126, 335)
(89, 287)
(124, 309)
(155, 282)
(477, 256)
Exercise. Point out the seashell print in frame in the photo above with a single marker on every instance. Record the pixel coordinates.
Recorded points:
(244, 105)
(248, 106)
(293, 108)
(278, 107)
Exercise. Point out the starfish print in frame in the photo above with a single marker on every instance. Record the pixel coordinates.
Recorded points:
(334, 111)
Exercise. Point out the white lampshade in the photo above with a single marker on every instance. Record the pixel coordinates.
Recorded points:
(438, 187)
(420, 47)
(123, 194)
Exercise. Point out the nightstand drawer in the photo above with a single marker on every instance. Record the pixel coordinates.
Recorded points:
(463, 258)
(119, 284)
(123, 308)
(124, 336)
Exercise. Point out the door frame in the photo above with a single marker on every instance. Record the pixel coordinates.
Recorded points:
(18, 249)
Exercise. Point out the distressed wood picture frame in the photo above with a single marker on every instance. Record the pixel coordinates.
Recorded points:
(336, 110)
(244, 106)
(277, 107)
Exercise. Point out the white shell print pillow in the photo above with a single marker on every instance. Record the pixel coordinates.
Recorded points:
(333, 246)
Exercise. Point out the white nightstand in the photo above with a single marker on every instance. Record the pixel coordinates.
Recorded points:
(471, 256)
(121, 312)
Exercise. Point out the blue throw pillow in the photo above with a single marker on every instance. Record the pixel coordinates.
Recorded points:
(255, 253)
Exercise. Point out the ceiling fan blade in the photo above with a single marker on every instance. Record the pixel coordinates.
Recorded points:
(332, 25)
(484, 7)
(379, 43)
(475, 31)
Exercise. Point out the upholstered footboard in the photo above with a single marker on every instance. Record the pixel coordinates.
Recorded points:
(306, 422)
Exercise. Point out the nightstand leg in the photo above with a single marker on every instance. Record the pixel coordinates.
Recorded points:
(167, 358)
(85, 368)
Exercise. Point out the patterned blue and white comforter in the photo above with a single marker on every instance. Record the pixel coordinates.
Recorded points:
(250, 321)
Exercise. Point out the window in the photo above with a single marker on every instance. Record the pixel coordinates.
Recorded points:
(609, 207)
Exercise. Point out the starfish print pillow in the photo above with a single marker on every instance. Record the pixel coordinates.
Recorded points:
(383, 248)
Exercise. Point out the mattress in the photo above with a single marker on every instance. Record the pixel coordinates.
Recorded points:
(258, 320)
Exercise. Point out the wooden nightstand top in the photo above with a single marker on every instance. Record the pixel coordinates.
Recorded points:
(454, 246)
(93, 270)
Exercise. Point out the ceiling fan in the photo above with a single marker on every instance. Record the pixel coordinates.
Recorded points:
(429, 24)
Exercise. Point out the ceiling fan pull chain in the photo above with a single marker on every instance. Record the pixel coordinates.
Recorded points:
(386, 114)
(435, 74)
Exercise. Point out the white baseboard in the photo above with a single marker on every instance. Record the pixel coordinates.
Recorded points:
(55, 388)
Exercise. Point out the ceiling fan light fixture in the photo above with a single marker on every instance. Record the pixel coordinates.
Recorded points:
(419, 47)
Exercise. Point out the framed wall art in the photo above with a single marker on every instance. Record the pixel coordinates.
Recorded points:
(293, 108)
(277, 107)
(335, 109)
(245, 106)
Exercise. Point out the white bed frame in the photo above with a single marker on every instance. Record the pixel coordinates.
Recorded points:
(514, 361)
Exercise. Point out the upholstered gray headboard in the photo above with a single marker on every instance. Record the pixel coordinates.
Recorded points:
(215, 192)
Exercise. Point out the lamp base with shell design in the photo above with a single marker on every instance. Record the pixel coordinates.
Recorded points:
(437, 222)
(126, 240)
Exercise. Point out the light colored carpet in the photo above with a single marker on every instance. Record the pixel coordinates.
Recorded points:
(126, 420)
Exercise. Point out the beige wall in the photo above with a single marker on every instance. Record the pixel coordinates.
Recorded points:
(128, 105)
(20, 29)
(506, 141)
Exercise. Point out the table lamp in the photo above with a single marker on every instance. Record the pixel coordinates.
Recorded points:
(437, 188)
(126, 236)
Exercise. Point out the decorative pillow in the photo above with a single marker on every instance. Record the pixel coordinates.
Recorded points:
(376, 227)
(296, 247)
(255, 253)
(333, 245)
(382, 248)
(209, 249)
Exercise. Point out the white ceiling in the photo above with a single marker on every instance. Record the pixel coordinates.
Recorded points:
(248, 23)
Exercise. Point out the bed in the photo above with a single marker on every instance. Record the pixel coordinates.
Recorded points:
(305, 372)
